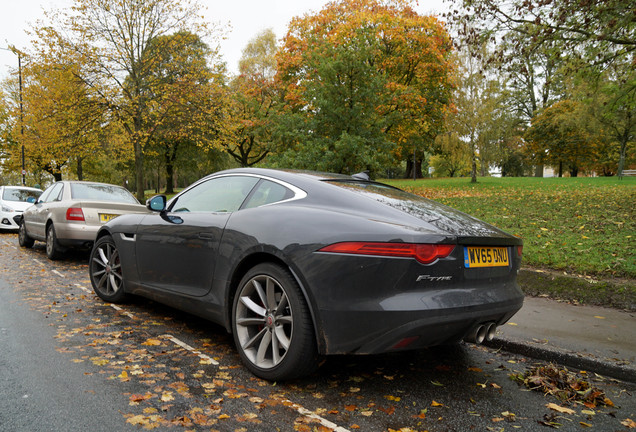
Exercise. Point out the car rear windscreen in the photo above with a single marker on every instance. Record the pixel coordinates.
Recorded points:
(101, 192)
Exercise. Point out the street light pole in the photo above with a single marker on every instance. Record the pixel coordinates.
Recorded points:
(21, 118)
(19, 54)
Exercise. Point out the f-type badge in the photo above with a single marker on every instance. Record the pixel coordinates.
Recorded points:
(433, 278)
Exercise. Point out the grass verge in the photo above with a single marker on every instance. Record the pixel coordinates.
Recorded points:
(584, 227)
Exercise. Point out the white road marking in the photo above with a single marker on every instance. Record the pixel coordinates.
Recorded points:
(304, 411)
(128, 314)
(58, 273)
(83, 288)
(38, 261)
(187, 347)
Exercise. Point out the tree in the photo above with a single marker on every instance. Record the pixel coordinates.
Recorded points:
(8, 143)
(61, 123)
(366, 82)
(249, 137)
(599, 31)
(111, 41)
(543, 43)
(614, 105)
(453, 157)
(560, 133)
(187, 97)
(480, 109)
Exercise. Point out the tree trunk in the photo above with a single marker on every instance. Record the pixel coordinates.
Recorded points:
(409, 169)
(574, 171)
(560, 169)
(170, 155)
(139, 167)
(538, 170)
(80, 169)
(473, 178)
(621, 160)
(169, 178)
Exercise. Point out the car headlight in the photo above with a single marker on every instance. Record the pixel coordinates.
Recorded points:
(7, 209)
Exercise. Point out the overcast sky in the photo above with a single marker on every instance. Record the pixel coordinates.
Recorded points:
(246, 18)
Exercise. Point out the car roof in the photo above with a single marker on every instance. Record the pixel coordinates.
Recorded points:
(20, 187)
(87, 182)
(287, 174)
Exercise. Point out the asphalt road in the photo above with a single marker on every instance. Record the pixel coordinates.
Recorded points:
(69, 361)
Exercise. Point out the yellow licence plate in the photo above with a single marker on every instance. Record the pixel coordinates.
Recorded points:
(485, 257)
(104, 217)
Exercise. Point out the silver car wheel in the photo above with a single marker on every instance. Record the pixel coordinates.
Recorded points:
(53, 248)
(106, 269)
(23, 238)
(264, 321)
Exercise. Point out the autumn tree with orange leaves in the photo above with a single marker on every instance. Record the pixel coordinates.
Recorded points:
(366, 83)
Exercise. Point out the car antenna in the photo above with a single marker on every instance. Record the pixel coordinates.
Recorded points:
(364, 175)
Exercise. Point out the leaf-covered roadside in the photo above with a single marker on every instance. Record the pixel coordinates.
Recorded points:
(564, 385)
(569, 389)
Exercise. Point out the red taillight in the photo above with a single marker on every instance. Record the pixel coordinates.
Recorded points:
(424, 253)
(75, 214)
(519, 251)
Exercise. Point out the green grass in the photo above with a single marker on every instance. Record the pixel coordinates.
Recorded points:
(579, 225)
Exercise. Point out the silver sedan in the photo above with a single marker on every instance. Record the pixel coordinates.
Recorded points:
(69, 213)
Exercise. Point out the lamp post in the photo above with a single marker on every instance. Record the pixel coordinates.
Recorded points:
(17, 52)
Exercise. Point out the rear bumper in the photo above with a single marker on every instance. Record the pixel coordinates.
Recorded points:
(370, 305)
(75, 234)
(416, 320)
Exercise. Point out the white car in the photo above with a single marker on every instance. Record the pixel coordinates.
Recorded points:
(13, 201)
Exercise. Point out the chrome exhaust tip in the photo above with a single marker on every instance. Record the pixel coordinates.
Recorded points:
(477, 334)
(481, 333)
(491, 331)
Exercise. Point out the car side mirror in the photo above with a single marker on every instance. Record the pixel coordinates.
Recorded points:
(157, 203)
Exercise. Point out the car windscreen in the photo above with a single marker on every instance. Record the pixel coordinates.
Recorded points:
(101, 192)
(21, 195)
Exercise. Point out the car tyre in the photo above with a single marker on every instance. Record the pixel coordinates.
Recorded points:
(272, 326)
(105, 271)
(23, 238)
(53, 248)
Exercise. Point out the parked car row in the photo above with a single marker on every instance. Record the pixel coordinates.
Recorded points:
(296, 265)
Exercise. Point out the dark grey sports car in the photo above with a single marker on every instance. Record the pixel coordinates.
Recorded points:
(297, 265)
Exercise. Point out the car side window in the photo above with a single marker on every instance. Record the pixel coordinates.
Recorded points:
(268, 192)
(52, 193)
(218, 195)
(45, 195)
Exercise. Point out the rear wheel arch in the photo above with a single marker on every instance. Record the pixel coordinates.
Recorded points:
(252, 261)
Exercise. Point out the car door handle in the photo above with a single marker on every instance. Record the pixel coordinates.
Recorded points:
(206, 236)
